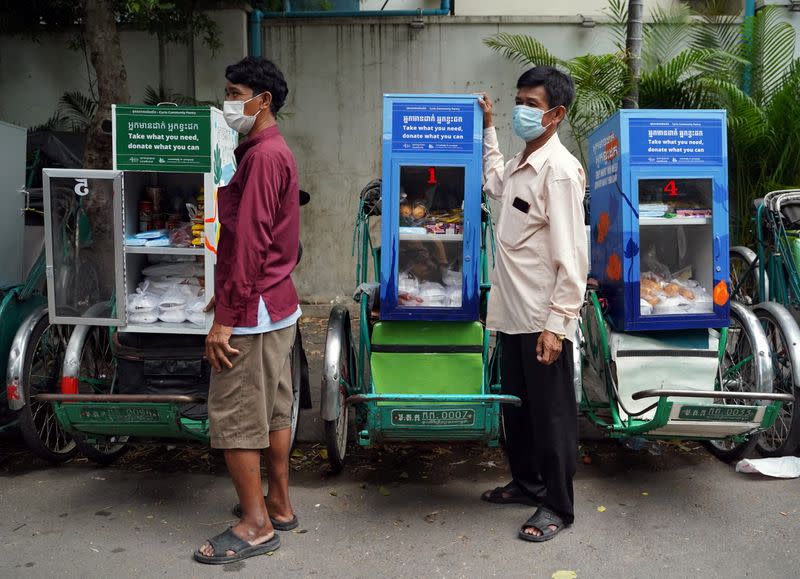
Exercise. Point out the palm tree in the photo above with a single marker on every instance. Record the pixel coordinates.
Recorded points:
(690, 61)
(670, 78)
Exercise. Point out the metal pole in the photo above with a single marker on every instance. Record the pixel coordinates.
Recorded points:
(633, 49)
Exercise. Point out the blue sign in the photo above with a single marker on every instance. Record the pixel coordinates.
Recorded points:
(675, 141)
(432, 127)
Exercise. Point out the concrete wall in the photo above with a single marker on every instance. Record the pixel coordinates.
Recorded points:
(337, 72)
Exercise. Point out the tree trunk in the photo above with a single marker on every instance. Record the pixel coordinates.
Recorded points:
(102, 38)
(633, 49)
(162, 67)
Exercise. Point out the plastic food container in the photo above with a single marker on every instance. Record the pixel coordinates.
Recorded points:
(433, 294)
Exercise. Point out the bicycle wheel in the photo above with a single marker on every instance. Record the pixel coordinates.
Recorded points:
(782, 334)
(337, 373)
(297, 381)
(41, 374)
(744, 275)
(738, 372)
(96, 376)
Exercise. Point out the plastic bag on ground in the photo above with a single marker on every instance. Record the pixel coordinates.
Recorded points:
(778, 467)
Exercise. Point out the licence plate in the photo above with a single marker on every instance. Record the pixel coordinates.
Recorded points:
(717, 413)
(124, 415)
(450, 417)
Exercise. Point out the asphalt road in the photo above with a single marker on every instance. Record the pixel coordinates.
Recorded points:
(665, 511)
(400, 512)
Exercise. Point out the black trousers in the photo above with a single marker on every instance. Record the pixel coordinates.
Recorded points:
(542, 434)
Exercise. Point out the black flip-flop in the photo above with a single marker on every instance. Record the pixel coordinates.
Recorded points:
(228, 541)
(515, 496)
(542, 519)
(289, 525)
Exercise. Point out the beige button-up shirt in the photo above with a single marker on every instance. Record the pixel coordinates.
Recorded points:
(539, 276)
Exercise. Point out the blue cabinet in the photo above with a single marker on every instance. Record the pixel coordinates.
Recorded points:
(659, 218)
(431, 207)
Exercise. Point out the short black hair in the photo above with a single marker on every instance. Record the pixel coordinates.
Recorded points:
(558, 85)
(261, 75)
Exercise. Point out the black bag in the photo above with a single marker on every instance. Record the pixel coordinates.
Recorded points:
(164, 364)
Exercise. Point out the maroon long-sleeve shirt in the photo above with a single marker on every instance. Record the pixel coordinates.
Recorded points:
(259, 213)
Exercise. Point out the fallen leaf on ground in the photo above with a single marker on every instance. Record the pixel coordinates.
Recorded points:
(601, 509)
(564, 574)
(645, 494)
(323, 454)
(431, 517)
(297, 453)
(300, 531)
(488, 464)
(384, 491)
(784, 514)
(403, 475)
(333, 493)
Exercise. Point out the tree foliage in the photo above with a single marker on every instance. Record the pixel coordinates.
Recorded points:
(693, 60)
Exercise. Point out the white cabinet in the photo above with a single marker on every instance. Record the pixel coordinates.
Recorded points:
(170, 157)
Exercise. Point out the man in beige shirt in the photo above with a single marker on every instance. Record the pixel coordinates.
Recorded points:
(538, 286)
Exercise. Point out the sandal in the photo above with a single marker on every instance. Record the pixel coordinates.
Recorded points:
(228, 541)
(509, 494)
(542, 519)
(289, 525)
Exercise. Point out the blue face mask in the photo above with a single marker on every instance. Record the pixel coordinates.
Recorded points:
(527, 122)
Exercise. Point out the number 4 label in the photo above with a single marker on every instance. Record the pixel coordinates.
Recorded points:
(671, 188)
(81, 187)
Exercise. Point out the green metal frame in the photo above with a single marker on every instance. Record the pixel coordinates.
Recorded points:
(142, 420)
(619, 428)
(374, 418)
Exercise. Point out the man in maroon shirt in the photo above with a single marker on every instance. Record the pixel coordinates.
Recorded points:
(255, 315)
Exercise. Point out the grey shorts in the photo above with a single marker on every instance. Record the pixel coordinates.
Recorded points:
(254, 398)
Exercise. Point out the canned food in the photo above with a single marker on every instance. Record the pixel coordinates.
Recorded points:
(145, 215)
(154, 195)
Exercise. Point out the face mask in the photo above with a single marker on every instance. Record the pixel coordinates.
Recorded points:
(233, 111)
(527, 122)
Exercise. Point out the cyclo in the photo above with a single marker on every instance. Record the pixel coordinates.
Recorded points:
(768, 281)
(133, 366)
(696, 367)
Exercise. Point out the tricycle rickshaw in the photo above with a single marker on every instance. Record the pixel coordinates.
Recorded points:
(31, 348)
(133, 367)
(768, 281)
(695, 368)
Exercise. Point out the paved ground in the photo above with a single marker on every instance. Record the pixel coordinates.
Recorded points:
(665, 511)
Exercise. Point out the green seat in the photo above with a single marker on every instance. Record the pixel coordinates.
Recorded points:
(427, 358)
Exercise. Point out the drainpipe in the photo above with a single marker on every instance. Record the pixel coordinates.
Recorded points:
(255, 32)
(443, 10)
(749, 15)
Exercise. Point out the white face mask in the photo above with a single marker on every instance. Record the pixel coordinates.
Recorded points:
(233, 111)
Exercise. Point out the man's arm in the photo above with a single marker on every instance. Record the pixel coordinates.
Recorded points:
(493, 162)
(568, 248)
(254, 222)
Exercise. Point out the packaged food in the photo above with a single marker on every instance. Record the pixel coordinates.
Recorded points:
(672, 306)
(645, 308)
(145, 215)
(433, 294)
(419, 211)
(671, 289)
